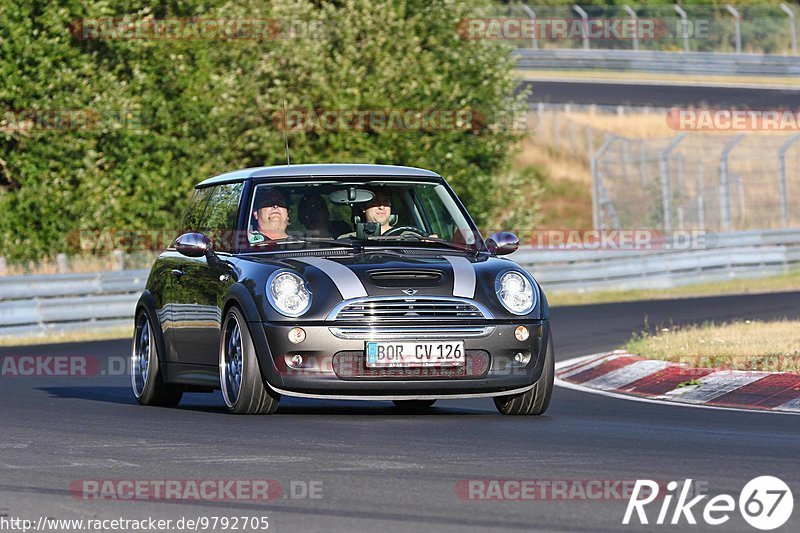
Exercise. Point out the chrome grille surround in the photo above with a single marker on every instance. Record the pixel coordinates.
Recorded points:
(405, 308)
(393, 317)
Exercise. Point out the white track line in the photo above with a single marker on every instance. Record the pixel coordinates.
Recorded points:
(573, 386)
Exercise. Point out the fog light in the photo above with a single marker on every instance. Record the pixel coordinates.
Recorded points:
(297, 335)
(519, 357)
(297, 360)
(521, 333)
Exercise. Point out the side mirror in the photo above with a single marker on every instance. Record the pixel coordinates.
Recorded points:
(502, 243)
(193, 245)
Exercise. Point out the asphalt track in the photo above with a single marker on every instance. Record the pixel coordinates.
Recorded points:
(385, 471)
(655, 95)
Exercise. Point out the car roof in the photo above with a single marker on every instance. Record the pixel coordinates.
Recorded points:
(325, 170)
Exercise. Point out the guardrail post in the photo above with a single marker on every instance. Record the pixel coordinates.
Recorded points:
(635, 19)
(666, 185)
(584, 25)
(737, 28)
(792, 28)
(3, 266)
(782, 184)
(684, 26)
(532, 14)
(724, 185)
(594, 163)
(118, 260)
(62, 264)
(701, 196)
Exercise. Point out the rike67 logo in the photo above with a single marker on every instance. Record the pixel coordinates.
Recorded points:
(765, 503)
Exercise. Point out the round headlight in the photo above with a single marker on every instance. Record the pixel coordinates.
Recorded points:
(288, 293)
(515, 292)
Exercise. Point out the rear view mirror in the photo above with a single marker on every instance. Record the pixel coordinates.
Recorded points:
(193, 244)
(351, 195)
(502, 243)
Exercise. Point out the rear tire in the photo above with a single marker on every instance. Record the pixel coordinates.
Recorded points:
(536, 400)
(413, 405)
(147, 379)
(243, 387)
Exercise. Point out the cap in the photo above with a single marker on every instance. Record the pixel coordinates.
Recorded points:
(269, 197)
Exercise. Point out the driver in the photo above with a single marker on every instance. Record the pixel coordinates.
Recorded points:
(271, 216)
(379, 210)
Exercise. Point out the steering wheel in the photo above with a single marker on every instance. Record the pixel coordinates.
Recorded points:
(403, 229)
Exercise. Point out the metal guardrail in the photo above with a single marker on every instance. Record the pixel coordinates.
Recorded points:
(693, 63)
(36, 304)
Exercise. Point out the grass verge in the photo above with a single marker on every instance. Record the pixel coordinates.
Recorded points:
(71, 336)
(790, 281)
(748, 345)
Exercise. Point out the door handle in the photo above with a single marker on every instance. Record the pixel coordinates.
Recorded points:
(177, 274)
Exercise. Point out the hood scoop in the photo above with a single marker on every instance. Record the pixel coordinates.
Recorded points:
(394, 279)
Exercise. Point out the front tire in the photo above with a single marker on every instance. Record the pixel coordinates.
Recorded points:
(147, 379)
(240, 378)
(536, 400)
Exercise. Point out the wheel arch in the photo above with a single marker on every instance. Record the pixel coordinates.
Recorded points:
(239, 296)
(148, 303)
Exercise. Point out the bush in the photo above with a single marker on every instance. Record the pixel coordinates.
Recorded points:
(173, 112)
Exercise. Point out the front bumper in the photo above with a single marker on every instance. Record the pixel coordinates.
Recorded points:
(333, 367)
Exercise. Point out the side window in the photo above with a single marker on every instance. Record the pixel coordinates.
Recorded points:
(194, 211)
(219, 220)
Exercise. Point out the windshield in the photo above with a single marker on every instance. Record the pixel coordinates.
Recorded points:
(351, 213)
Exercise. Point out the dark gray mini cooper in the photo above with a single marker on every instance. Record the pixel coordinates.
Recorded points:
(361, 282)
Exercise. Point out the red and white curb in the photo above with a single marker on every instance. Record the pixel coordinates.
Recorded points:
(623, 375)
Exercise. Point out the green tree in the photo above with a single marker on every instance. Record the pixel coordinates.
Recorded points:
(173, 112)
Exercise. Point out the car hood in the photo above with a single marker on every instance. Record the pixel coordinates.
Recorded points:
(334, 277)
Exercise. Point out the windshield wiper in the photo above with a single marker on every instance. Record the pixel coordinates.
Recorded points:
(421, 238)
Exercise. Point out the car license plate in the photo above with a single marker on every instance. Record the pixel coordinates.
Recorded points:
(415, 354)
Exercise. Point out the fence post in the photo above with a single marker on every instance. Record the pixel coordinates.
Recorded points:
(635, 19)
(737, 28)
(666, 188)
(684, 27)
(782, 183)
(584, 25)
(62, 263)
(117, 260)
(3, 266)
(792, 28)
(724, 185)
(594, 163)
(532, 14)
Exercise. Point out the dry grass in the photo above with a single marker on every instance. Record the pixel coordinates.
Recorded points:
(762, 81)
(789, 281)
(98, 334)
(748, 345)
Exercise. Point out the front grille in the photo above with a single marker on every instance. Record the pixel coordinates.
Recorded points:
(394, 308)
(352, 365)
